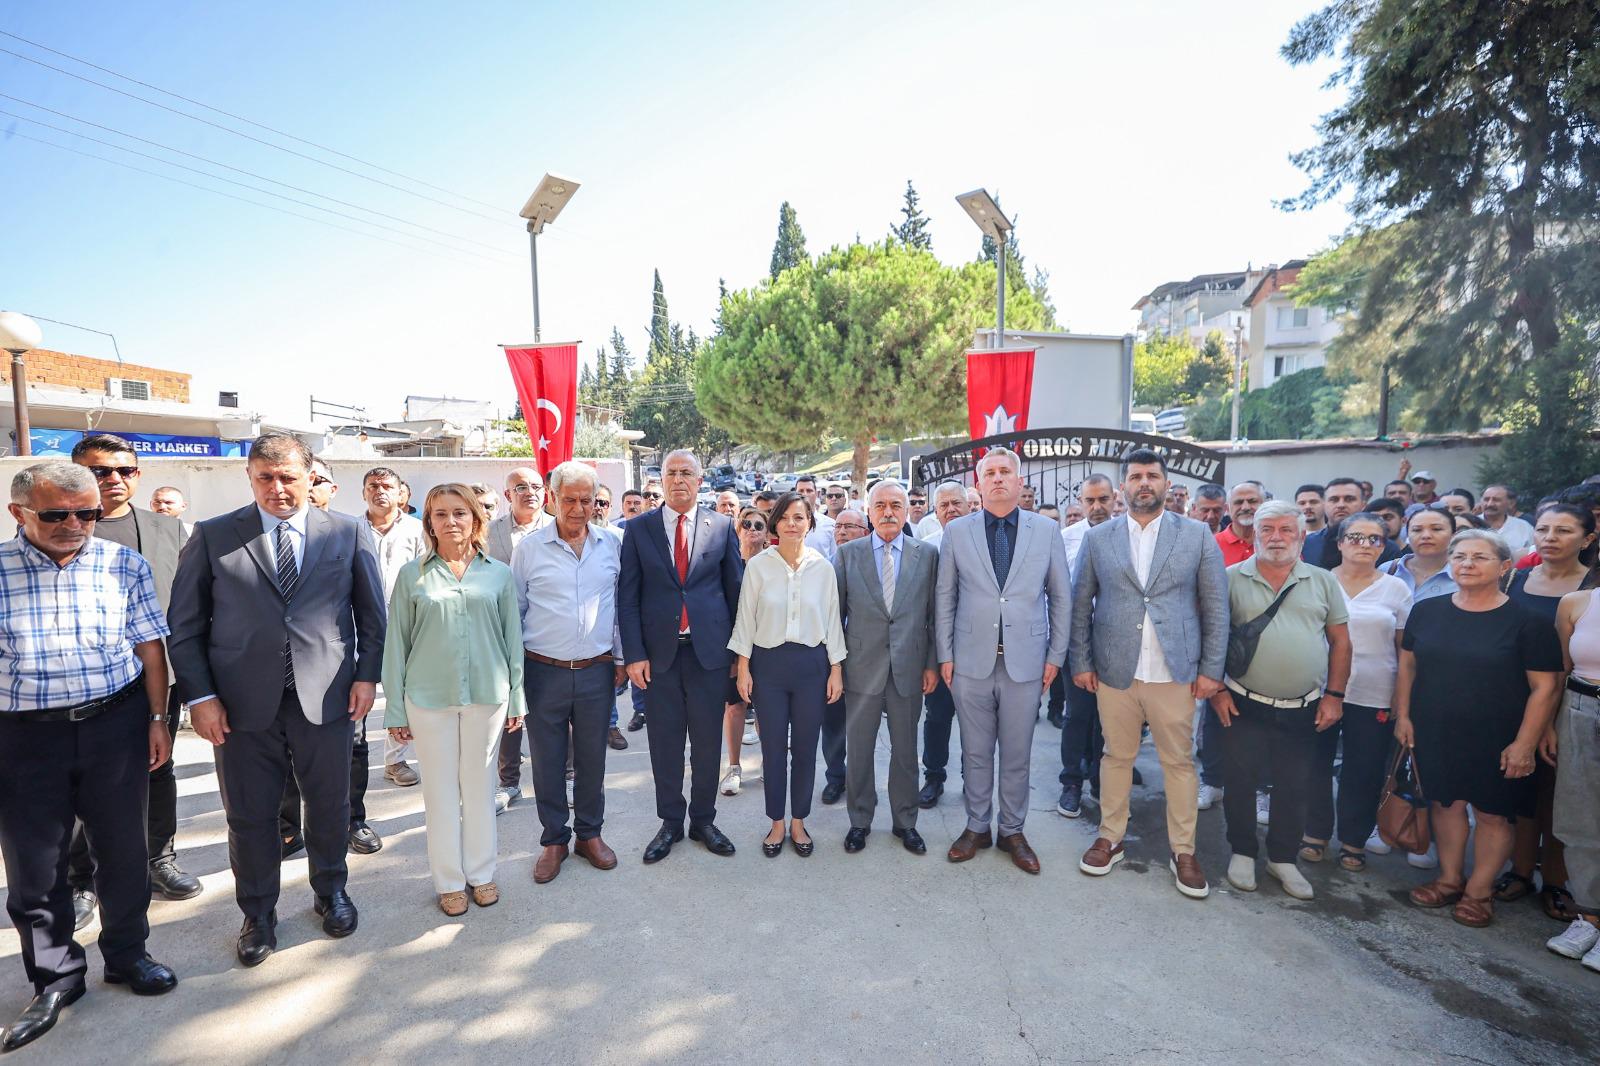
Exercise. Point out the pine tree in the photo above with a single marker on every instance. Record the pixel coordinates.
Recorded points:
(602, 378)
(790, 248)
(913, 231)
(660, 324)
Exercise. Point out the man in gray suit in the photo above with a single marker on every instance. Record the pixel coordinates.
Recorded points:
(886, 584)
(1004, 604)
(277, 637)
(1149, 636)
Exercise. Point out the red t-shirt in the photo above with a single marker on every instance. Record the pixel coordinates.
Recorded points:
(1234, 550)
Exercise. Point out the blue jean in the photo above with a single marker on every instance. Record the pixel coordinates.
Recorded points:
(1081, 742)
(1208, 746)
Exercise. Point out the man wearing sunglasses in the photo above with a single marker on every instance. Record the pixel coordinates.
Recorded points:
(77, 737)
(158, 538)
(652, 494)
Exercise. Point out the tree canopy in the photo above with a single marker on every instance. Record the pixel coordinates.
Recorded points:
(789, 250)
(912, 230)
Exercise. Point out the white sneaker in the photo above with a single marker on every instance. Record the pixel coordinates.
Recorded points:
(1427, 860)
(505, 797)
(1293, 881)
(1242, 873)
(730, 782)
(1209, 795)
(1577, 941)
(1592, 960)
(751, 737)
(1376, 846)
(1263, 808)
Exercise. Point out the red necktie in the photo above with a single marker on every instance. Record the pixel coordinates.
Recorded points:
(680, 548)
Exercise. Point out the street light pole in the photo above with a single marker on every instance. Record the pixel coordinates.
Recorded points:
(19, 333)
(533, 255)
(543, 207)
(982, 209)
(1000, 297)
(1238, 379)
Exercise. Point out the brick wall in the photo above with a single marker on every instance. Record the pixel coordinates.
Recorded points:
(64, 370)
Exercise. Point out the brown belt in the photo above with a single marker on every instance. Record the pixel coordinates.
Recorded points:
(567, 664)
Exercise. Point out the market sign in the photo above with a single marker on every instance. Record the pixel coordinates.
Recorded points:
(59, 442)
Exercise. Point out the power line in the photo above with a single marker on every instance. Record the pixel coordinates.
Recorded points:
(86, 329)
(216, 163)
(241, 118)
(242, 199)
(248, 137)
(243, 185)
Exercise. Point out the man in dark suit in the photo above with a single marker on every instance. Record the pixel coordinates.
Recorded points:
(677, 595)
(278, 623)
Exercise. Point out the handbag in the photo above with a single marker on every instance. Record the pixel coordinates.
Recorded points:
(1403, 809)
(1244, 637)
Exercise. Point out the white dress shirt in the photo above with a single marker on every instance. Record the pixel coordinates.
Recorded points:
(1072, 539)
(404, 542)
(821, 538)
(568, 603)
(669, 519)
(1152, 665)
(1518, 536)
(297, 533)
(779, 605)
(928, 526)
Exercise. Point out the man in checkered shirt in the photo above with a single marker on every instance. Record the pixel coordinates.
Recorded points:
(81, 667)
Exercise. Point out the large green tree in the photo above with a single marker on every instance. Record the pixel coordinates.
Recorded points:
(1469, 145)
(789, 250)
(867, 341)
(912, 229)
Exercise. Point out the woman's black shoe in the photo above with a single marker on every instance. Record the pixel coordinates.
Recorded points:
(772, 851)
(803, 850)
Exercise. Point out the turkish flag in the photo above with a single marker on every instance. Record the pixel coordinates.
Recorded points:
(999, 386)
(546, 376)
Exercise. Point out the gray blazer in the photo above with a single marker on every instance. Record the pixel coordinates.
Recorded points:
(500, 534)
(161, 539)
(1187, 597)
(882, 644)
(1034, 609)
(229, 620)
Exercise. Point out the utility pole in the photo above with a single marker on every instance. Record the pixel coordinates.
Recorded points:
(1238, 378)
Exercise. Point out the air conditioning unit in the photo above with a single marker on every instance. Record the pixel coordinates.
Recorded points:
(127, 389)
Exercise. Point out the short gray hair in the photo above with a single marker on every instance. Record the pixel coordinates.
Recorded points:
(69, 477)
(1489, 536)
(947, 487)
(572, 470)
(1103, 478)
(1003, 453)
(887, 486)
(683, 453)
(1279, 509)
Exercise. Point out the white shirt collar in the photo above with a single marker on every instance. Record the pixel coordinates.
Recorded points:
(270, 521)
(668, 510)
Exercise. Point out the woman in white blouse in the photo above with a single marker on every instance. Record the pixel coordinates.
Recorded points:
(1379, 605)
(790, 642)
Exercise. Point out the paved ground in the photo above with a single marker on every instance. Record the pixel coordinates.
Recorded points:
(876, 957)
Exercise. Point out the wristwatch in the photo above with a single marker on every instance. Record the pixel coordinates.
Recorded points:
(158, 718)
(1333, 692)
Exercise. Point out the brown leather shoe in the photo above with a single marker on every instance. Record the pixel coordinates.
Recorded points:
(595, 850)
(549, 864)
(1190, 879)
(1021, 854)
(1100, 858)
(968, 844)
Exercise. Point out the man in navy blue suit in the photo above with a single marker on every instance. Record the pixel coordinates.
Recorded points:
(676, 598)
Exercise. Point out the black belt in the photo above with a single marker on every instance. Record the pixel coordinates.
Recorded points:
(1583, 688)
(80, 712)
(567, 664)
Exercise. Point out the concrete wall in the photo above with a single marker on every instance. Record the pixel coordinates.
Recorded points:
(1285, 467)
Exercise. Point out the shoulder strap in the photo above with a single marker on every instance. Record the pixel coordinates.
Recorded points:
(1266, 616)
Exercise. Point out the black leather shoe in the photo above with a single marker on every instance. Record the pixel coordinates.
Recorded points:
(856, 839)
(832, 793)
(147, 977)
(38, 1017)
(928, 798)
(293, 844)
(338, 914)
(1056, 717)
(912, 840)
(363, 839)
(258, 938)
(636, 723)
(171, 882)
(84, 904)
(714, 839)
(660, 845)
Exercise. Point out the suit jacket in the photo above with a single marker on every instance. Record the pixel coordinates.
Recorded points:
(1034, 608)
(161, 539)
(650, 596)
(1186, 596)
(500, 534)
(229, 620)
(883, 645)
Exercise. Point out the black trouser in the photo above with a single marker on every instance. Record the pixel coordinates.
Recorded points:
(1284, 739)
(161, 823)
(1058, 693)
(1081, 741)
(684, 704)
(95, 771)
(1367, 740)
(833, 742)
(791, 690)
(939, 713)
(289, 809)
(252, 770)
(568, 711)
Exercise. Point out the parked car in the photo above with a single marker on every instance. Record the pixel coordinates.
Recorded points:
(747, 481)
(1142, 422)
(781, 483)
(721, 478)
(707, 496)
(1173, 422)
(838, 477)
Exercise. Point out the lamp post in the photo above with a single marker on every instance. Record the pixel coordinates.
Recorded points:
(18, 333)
(982, 209)
(1238, 377)
(543, 207)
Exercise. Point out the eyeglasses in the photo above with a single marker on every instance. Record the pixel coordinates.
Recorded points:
(85, 515)
(753, 527)
(1370, 540)
(526, 489)
(680, 473)
(103, 472)
(850, 525)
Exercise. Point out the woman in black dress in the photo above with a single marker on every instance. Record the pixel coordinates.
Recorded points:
(1479, 679)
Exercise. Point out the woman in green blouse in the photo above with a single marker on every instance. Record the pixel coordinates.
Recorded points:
(452, 678)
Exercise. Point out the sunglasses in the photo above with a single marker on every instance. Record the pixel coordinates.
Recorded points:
(86, 515)
(754, 527)
(834, 495)
(652, 495)
(124, 472)
(604, 505)
(318, 482)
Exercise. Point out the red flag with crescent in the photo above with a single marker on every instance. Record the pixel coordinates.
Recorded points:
(999, 388)
(546, 376)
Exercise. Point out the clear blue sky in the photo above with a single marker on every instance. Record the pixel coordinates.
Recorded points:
(1135, 142)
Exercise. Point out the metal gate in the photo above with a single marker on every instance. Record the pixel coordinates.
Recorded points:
(1055, 461)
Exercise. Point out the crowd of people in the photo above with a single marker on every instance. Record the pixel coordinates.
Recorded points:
(1277, 653)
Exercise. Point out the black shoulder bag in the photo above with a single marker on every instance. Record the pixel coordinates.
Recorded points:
(1243, 637)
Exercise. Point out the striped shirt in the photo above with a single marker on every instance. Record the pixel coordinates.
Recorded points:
(67, 632)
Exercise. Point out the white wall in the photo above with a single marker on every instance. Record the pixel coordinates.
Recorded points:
(1284, 468)
(1079, 379)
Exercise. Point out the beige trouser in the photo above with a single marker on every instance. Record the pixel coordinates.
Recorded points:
(1168, 708)
(459, 750)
